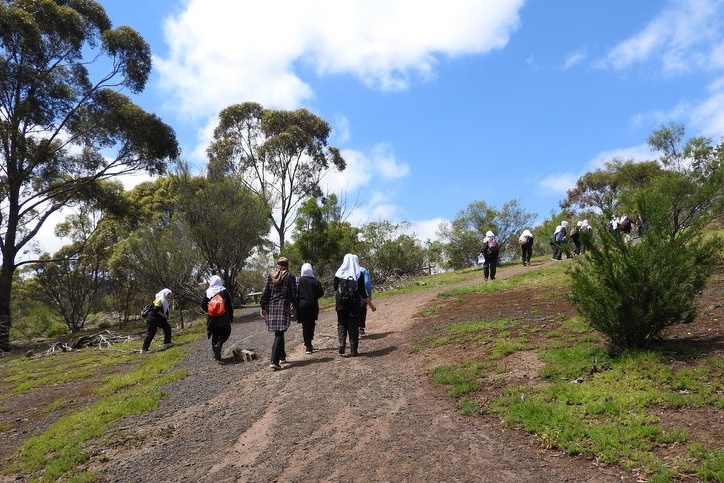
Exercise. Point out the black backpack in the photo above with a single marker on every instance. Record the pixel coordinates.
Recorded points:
(347, 290)
(147, 311)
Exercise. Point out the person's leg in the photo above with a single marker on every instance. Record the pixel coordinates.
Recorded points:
(166, 332)
(353, 329)
(362, 319)
(486, 269)
(342, 329)
(277, 347)
(150, 334)
(493, 268)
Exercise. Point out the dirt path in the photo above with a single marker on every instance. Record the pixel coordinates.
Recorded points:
(326, 417)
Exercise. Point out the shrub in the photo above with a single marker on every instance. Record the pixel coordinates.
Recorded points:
(631, 290)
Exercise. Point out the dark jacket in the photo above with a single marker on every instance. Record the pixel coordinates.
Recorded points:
(219, 320)
(360, 294)
(310, 290)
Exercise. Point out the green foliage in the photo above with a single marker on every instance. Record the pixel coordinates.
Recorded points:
(632, 291)
(279, 155)
(62, 124)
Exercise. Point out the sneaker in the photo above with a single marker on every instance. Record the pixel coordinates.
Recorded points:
(309, 350)
(341, 349)
(283, 361)
(354, 353)
(274, 367)
(167, 346)
(145, 351)
(361, 331)
(217, 352)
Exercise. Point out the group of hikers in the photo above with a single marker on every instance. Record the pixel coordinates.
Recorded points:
(564, 241)
(578, 236)
(284, 298)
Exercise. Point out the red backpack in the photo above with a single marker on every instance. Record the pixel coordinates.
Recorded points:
(216, 306)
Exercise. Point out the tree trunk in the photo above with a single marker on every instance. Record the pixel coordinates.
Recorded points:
(6, 284)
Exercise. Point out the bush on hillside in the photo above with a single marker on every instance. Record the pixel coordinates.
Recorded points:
(631, 290)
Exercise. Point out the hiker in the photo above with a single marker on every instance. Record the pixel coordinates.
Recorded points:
(575, 237)
(310, 290)
(559, 241)
(279, 302)
(349, 288)
(363, 314)
(585, 235)
(158, 318)
(526, 246)
(489, 252)
(219, 314)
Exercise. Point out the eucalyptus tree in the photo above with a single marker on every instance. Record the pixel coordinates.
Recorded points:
(226, 223)
(279, 155)
(62, 130)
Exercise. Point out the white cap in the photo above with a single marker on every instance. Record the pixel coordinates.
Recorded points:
(564, 223)
(490, 233)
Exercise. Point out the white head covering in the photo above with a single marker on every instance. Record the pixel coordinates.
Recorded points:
(307, 270)
(216, 285)
(489, 233)
(163, 297)
(564, 223)
(526, 232)
(585, 223)
(579, 223)
(349, 267)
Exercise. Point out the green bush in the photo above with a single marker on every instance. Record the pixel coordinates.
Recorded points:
(632, 289)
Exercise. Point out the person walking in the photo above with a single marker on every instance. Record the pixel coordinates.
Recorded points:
(219, 310)
(310, 291)
(490, 250)
(279, 303)
(585, 235)
(526, 246)
(559, 240)
(159, 318)
(363, 314)
(349, 288)
(575, 237)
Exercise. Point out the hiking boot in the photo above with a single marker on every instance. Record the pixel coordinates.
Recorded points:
(341, 349)
(354, 353)
(217, 351)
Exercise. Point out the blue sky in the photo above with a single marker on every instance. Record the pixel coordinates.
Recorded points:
(436, 105)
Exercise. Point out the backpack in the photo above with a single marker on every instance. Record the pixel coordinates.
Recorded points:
(147, 311)
(493, 244)
(217, 306)
(347, 290)
(523, 240)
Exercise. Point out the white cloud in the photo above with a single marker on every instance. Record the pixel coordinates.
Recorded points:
(558, 184)
(223, 51)
(685, 36)
(573, 59)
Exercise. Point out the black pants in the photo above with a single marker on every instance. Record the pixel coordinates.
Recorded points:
(362, 317)
(527, 249)
(490, 265)
(152, 327)
(219, 335)
(278, 351)
(308, 325)
(347, 324)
